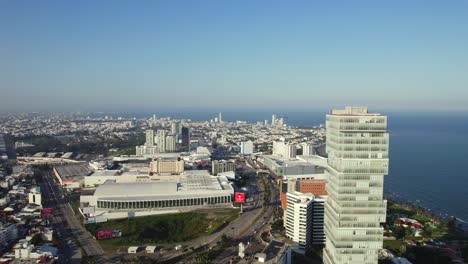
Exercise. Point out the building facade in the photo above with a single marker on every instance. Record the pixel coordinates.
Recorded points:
(167, 166)
(357, 147)
(247, 148)
(175, 128)
(161, 141)
(149, 137)
(284, 150)
(303, 220)
(185, 139)
(220, 166)
(171, 143)
(146, 150)
(186, 193)
(35, 196)
(307, 149)
(313, 186)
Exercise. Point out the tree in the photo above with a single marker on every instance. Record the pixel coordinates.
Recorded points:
(399, 231)
(36, 239)
(427, 232)
(402, 250)
(408, 231)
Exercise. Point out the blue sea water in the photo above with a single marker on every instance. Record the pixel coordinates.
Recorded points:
(428, 154)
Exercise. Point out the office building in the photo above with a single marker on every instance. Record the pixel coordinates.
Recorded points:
(357, 147)
(161, 141)
(185, 139)
(273, 120)
(149, 137)
(247, 148)
(220, 166)
(170, 143)
(220, 117)
(303, 220)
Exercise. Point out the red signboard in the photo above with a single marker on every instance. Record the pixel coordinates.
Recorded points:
(239, 197)
(104, 234)
(47, 211)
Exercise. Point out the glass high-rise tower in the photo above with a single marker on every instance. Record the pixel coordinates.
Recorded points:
(357, 147)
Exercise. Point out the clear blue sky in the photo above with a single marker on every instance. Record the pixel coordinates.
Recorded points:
(155, 55)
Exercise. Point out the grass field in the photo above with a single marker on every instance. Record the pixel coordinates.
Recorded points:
(163, 229)
(393, 245)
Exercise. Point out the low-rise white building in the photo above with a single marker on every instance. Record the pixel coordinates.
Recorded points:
(35, 196)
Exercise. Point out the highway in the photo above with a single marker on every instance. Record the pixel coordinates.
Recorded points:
(74, 231)
(73, 235)
(251, 223)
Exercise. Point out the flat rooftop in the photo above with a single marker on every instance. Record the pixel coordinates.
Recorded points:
(287, 162)
(73, 170)
(201, 184)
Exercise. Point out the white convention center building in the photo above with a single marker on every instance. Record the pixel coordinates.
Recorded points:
(196, 190)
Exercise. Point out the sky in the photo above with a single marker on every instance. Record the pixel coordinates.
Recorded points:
(298, 55)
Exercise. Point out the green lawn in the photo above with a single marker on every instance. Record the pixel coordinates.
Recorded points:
(163, 229)
(397, 209)
(393, 245)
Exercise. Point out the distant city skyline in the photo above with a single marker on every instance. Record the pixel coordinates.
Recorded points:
(122, 56)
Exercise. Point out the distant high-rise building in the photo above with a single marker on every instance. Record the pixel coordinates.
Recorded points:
(154, 117)
(161, 141)
(175, 128)
(357, 147)
(281, 121)
(216, 120)
(266, 122)
(149, 137)
(273, 120)
(220, 117)
(185, 139)
(303, 219)
(170, 143)
(307, 149)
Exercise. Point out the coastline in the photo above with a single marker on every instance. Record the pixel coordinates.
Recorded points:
(461, 223)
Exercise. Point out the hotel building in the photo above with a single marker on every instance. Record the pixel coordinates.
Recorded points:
(357, 147)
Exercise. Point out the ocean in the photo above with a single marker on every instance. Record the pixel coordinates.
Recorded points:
(428, 154)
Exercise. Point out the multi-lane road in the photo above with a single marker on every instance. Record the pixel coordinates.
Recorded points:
(74, 236)
(69, 230)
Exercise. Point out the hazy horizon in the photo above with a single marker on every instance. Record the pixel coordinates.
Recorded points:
(147, 56)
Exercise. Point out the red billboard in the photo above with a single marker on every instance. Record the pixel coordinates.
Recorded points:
(104, 234)
(47, 211)
(239, 197)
